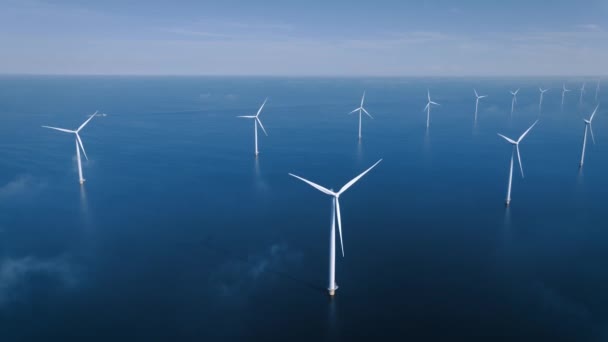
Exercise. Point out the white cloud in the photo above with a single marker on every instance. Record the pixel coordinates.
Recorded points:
(22, 185)
(590, 27)
(238, 276)
(15, 273)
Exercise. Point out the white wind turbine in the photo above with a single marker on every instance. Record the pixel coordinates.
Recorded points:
(515, 148)
(564, 91)
(361, 110)
(590, 128)
(256, 121)
(478, 97)
(540, 103)
(514, 100)
(78, 142)
(580, 100)
(428, 107)
(335, 213)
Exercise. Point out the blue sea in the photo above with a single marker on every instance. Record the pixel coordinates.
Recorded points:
(180, 233)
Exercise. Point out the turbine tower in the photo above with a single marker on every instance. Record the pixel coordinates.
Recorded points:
(540, 103)
(256, 121)
(514, 99)
(335, 214)
(478, 97)
(590, 128)
(361, 110)
(428, 107)
(78, 142)
(564, 91)
(515, 149)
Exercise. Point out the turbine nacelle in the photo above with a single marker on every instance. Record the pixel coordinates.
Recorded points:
(516, 145)
(336, 195)
(479, 96)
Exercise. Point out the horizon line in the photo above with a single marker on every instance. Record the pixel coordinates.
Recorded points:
(306, 76)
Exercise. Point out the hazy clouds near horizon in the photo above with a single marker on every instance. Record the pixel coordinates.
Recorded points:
(385, 38)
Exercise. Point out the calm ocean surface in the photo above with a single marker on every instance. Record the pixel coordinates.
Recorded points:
(179, 233)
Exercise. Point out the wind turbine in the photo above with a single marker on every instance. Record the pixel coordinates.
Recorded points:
(361, 110)
(428, 107)
(515, 148)
(580, 101)
(514, 100)
(477, 102)
(540, 103)
(78, 142)
(256, 121)
(597, 90)
(564, 91)
(335, 213)
(588, 126)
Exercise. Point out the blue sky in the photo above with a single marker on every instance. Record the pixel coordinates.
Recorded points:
(315, 37)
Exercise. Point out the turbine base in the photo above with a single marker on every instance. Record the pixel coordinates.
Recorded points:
(81, 181)
(507, 202)
(332, 292)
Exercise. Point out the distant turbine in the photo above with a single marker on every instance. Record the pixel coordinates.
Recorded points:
(361, 110)
(78, 142)
(256, 121)
(597, 90)
(515, 148)
(564, 91)
(477, 101)
(588, 126)
(428, 107)
(335, 211)
(580, 101)
(540, 103)
(514, 100)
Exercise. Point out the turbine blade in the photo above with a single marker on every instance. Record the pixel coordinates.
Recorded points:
(526, 132)
(368, 114)
(354, 111)
(86, 122)
(354, 180)
(262, 106)
(591, 130)
(60, 129)
(316, 186)
(521, 168)
(475, 92)
(594, 111)
(362, 98)
(428, 95)
(261, 126)
(246, 116)
(507, 139)
(339, 224)
(435, 103)
(81, 146)
(426, 107)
